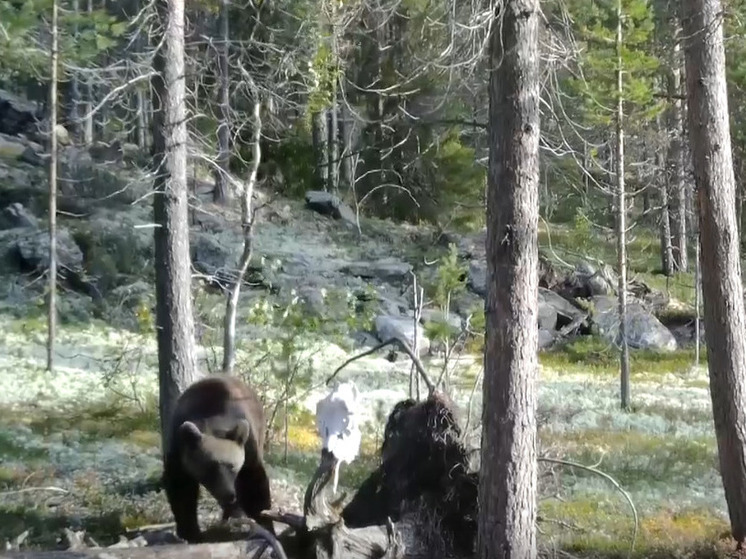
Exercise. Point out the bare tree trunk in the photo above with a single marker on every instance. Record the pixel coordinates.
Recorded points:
(333, 145)
(140, 99)
(320, 147)
(508, 478)
(52, 273)
(621, 231)
(221, 193)
(333, 114)
(665, 216)
(75, 83)
(709, 132)
(676, 164)
(175, 321)
(247, 220)
(142, 122)
(88, 106)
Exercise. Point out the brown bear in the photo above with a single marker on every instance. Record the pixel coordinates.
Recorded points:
(216, 439)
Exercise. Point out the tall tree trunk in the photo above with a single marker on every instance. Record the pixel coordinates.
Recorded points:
(665, 220)
(333, 172)
(175, 322)
(88, 106)
(508, 477)
(222, 189)
(75, 82)
(621, 230)
(320, 147)
(52, 296)
(346, 125)
(140, 97)
(334, 108)
(676, 171)
(709, 132)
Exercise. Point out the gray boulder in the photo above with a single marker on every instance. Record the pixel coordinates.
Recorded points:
(547, 316)
(436, 315)
(599, 282)
(388, 270)
(327, 203)
(16, 215)
(546, 338)
(477, 278)
(644, 330)
(402, 328)
(17, 116)
(11, 148)
(552, 303)
(31, 249)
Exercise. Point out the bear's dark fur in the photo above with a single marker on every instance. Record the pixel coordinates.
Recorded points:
(216, 439)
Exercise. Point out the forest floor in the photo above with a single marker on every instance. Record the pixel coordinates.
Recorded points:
(80, 448)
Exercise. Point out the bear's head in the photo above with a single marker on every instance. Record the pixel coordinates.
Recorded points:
(215, 459)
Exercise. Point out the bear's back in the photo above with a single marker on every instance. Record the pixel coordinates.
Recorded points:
(215, 402)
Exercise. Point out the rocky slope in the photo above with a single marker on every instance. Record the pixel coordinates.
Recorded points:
(304, 249)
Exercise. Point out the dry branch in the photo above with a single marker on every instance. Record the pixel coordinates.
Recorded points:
(408, 350)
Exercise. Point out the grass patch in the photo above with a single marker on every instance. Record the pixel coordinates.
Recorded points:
(600, 528)
(97, 421)
(594, 355)
(638, 460)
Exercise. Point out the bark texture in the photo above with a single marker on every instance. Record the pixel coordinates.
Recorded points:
(174, 318)
(508, 479)
(709, 132)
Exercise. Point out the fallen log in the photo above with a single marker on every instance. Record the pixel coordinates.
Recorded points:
(226, 550)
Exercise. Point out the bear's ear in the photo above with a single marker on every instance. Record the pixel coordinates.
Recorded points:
(241, 432)
(190, 433)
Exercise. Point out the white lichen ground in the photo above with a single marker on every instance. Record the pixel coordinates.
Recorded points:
(663, 453)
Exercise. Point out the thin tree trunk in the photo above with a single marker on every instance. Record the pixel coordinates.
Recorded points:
(665, 216)
(333, 172)
(346, 126)
(75, 83)
(221, 193)
(508, 477)
(709, 132)
(142, 123)
(140, 98)
(333, 115)
(88, 106)
(621, 220)
(320, 147)
(52, 273)
(676, 165)
(247, 220)
(175, 321)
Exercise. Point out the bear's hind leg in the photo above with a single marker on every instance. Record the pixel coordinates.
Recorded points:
(183, 494)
